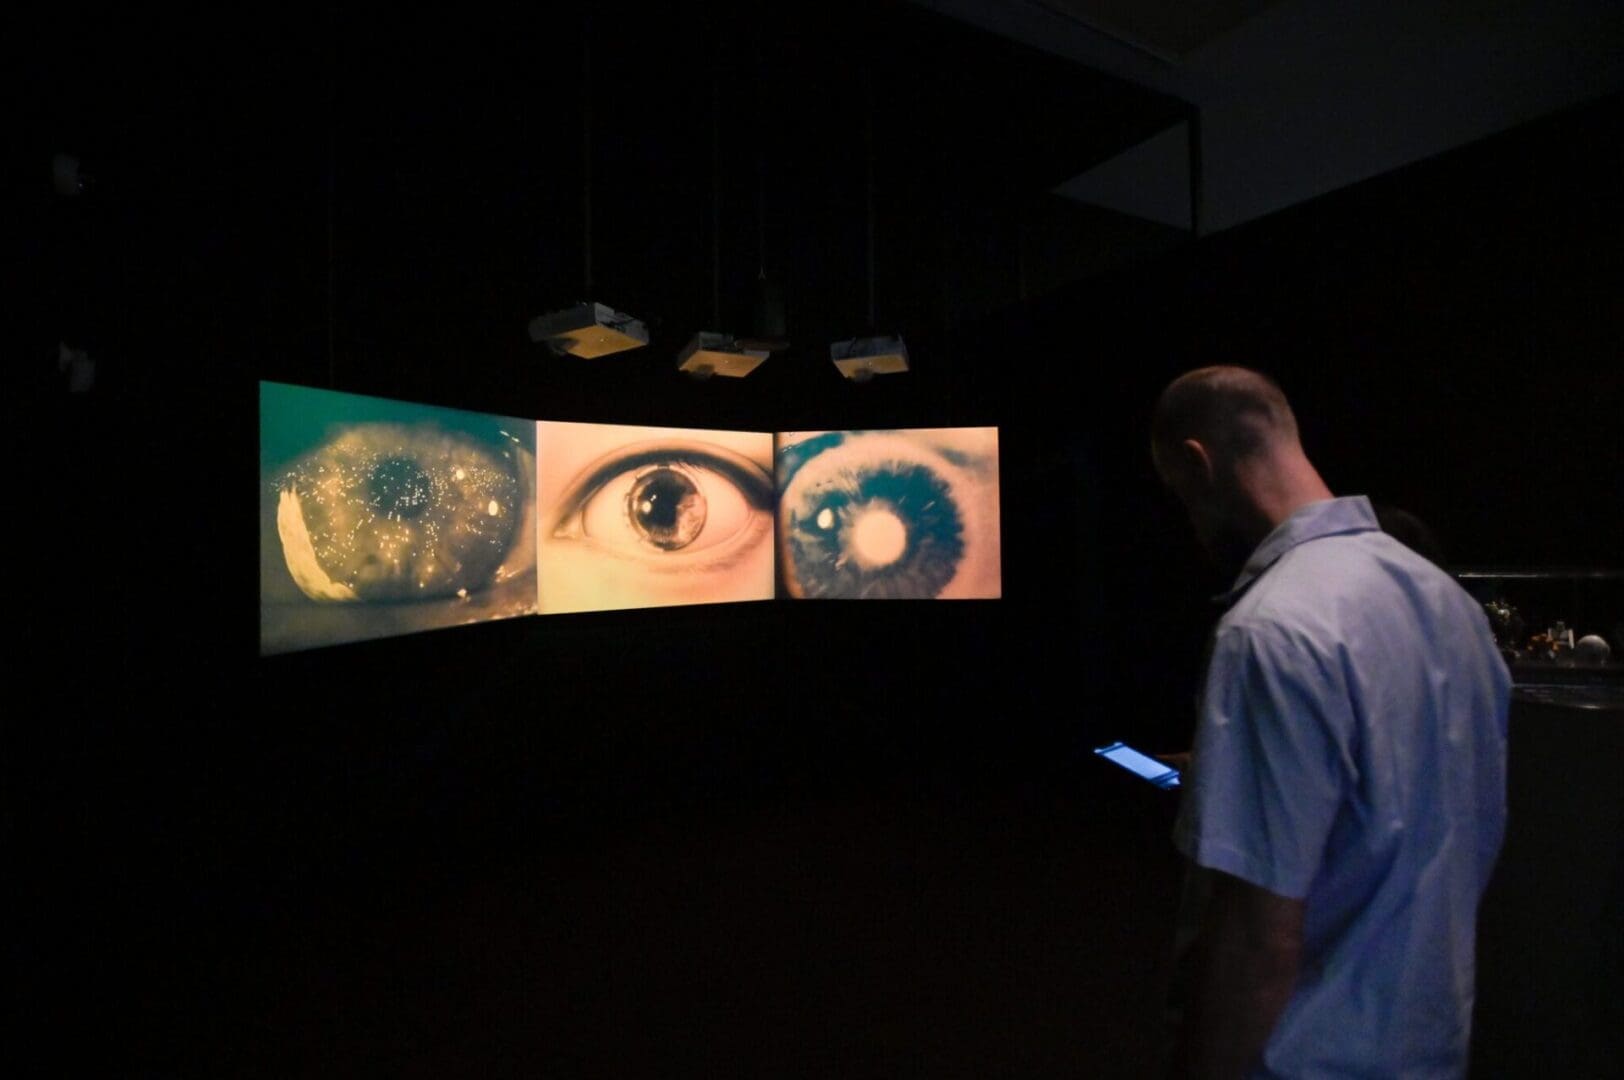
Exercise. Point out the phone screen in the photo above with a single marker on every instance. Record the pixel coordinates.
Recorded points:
(1144, 765)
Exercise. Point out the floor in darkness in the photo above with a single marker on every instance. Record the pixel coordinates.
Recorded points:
(903, 933)
(455, 918)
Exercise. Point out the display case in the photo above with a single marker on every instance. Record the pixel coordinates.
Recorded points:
(1561, 631)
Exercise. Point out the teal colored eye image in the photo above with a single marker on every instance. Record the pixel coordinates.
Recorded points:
(380, 517)
(889, 515)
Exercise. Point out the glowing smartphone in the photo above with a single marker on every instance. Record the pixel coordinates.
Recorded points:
(1141, 765)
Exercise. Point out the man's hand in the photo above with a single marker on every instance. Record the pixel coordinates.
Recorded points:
(1246, 960)
(1179, 761)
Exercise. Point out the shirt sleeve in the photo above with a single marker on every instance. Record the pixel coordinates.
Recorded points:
(1270, 767)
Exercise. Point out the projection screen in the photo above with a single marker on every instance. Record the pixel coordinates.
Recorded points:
(649, 516)
(381, 517)
(883, 515)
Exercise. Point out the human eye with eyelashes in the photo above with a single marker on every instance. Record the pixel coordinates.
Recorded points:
(890, 514)
(646, 517)
(384, 518)
(665, 502)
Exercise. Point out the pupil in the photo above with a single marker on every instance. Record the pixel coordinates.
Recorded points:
(397, 486)
(880, 532)
(666, 509)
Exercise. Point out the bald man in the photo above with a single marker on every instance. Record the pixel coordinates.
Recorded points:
(1346, 795)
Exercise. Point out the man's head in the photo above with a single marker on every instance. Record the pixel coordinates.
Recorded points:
(1225, 441)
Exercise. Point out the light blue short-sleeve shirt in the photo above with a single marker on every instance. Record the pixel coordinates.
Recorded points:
(1350, 752)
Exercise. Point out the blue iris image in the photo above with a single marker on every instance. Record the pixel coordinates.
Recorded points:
(888, 515)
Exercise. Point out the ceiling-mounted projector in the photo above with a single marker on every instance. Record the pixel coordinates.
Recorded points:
(719, 354)
(860, 359)
(589, 330)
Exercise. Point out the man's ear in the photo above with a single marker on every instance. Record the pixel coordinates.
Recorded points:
(1197, 461)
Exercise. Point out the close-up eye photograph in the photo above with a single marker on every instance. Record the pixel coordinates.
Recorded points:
(889, 515)
(635, 517)
(380, 518)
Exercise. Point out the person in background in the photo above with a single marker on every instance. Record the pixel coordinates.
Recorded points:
(1345, 801)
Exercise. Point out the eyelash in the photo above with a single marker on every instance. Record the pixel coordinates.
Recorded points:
(748, 479)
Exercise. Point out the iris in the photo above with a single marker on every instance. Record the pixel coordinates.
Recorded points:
(666, 509)
(823, 526)
(399, 488)
(386, 512)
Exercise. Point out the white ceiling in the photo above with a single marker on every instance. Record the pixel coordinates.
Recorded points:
(1301, 97)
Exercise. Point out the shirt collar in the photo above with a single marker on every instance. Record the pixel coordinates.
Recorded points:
(1328, 517)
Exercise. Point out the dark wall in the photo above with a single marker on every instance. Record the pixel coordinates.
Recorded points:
(1446, 334)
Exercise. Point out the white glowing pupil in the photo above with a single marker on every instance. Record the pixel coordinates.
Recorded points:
(826, 518)
(879, 538)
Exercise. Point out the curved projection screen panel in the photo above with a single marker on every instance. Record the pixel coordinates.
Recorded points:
(884, 515)
(382, 517)
(636, 517)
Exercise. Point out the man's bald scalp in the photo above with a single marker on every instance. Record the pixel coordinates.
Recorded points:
(1233, 411)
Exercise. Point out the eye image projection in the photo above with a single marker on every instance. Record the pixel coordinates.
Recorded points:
(650, 517)
(380, 517)
(889, 515)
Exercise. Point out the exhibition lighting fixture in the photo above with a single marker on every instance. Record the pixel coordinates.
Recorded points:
(861, 358)
(718, 354)
(588, 329)
(712, 352)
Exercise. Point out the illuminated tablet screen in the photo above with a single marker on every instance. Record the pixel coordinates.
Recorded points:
(382, 517)
(883, 515)
(649, 517)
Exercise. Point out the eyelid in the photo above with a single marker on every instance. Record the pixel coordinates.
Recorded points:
(790, 458)
(870, 449)
(754, 482)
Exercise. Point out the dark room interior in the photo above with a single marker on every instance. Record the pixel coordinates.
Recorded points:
(758, 839)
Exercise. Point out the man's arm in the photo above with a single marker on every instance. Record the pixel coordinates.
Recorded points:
(1245, 961)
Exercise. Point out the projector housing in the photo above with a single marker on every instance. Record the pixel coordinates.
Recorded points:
(589, 330)
(860, 359)
(719, 354)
